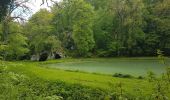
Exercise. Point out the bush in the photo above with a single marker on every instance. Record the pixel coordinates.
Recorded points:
(2, 67)
(53, 98)
(141, 77)
(122, 75)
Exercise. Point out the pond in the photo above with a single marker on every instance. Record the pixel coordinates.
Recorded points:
(133, 66)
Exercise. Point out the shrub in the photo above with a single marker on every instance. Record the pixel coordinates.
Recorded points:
(122, 75)
(140, 77)
(53, 98)
(151, 76)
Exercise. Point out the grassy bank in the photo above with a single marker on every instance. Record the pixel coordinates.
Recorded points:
(108, 83)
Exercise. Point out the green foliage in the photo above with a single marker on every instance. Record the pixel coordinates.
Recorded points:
(74, 26)
(157, 27)
(17, 46)
(39, 30)
(52, 44)
(161, 85)
(3, 8)
(160, 90)
(133, 28)
(151, 76)
(140, 77)
(167, 74)
(119, 95)
(2, 50)
(1, 31)
(82, 28)
(85, 28)
(54, 98)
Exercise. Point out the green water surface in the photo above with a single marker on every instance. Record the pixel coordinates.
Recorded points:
(133, 66)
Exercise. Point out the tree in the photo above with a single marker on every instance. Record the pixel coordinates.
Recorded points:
(3, 8)
(162, 18)
(63, 23)
(40, 33)
(1, 32)
(157, 27)
(118, 27)
(53, 45)
(5, 5)
(103, 28)
(16, 45)
(82, 28)
(74, 22)
(12, 11)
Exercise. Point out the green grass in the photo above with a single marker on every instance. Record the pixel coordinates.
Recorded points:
(94, 80)
(105, 82)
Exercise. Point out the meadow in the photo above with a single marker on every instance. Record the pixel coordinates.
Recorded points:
(133, 86)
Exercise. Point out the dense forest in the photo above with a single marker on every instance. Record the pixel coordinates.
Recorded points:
(89, 28)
